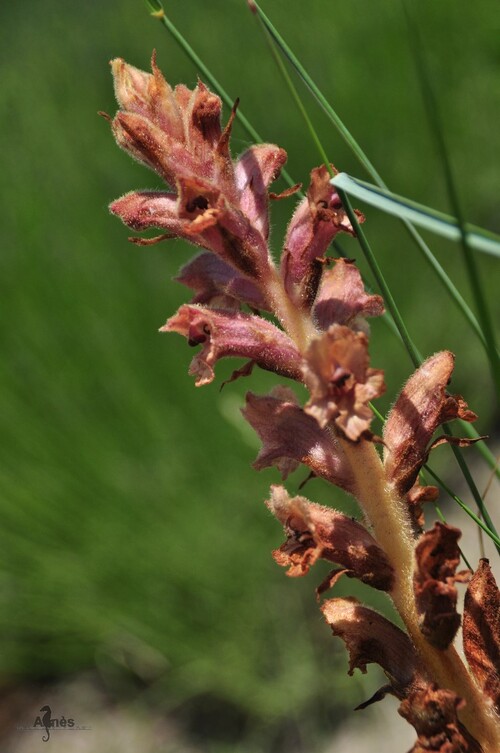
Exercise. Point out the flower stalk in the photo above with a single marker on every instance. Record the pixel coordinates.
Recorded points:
(320, 340)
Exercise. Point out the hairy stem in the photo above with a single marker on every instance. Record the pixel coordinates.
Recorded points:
(295, 322)
(392, 528)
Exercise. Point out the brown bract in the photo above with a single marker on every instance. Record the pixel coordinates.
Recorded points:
(433, 713)
(342, 298)
(290, 437)
(314, 531)
(233, 333)
(436, 559)
(315, 223)
(340, 381)
(481, 631)
(371, 638)
(422, 406)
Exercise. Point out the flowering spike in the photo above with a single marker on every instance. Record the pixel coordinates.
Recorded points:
(221, 205)
(315, 532)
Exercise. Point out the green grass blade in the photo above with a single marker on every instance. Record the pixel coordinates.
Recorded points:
(430, 219)
(369, 167)
(493, 536)
(471, 483)
(381, 282)
(413, 352)
(465, 240)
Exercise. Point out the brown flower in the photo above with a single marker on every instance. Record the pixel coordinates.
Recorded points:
(422, 406)
(315, 223)
(314, 531)
(437, 556)
(342, 298)
(340, 381)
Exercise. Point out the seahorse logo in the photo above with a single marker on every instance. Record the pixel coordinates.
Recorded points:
(46, 721)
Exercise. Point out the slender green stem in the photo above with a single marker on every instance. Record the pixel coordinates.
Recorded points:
(158, 12)
(367, 164)
(298, 101)
(379, 277)
(469, 258)
(466, 509)
(471, 483)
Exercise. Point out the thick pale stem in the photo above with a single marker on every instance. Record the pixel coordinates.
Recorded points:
(392, 528)
(295, 322)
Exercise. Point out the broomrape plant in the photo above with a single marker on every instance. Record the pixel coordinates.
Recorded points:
(316, 333)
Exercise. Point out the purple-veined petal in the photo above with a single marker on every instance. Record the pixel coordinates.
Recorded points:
(233, 334)
(315, 223)
(342, 298)
(290, 437)
(213, 279)
(254, 171)
(422, 406)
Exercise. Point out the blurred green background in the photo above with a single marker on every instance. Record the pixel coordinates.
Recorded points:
(133, 534)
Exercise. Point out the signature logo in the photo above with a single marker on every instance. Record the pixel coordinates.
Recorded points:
(47, 723)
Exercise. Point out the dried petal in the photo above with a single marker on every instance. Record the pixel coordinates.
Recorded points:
(314, 531)
(342, 298)
(371, 638)
(481, 631)
(315, 223)
(422, 406)
(217, 283)
(340, 381)
(437, 556)
(415, 497)
(233, 333)
(290, 437)
(433, 713)
(255, 170)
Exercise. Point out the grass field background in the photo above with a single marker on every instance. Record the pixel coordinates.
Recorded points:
(133, 534)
